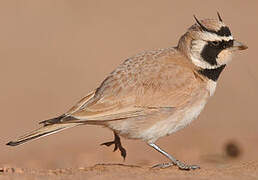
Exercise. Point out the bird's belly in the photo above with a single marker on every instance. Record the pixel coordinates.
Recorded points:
(188, 115)
(180, 119)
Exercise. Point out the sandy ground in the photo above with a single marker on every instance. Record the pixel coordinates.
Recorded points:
(247, 171)
(52, 53)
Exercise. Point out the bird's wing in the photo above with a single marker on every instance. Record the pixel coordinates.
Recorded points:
(140, 86)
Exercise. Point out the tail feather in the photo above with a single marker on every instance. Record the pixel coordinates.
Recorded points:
(41, 132)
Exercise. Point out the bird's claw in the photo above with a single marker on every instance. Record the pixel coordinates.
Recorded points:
(163, 165)
(184, 166)
(179, 164)
(117, 144)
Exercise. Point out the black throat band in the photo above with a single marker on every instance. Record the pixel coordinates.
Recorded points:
(212, 74)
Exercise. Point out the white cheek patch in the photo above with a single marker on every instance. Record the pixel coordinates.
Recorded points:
(203, 64)
(207, 36)
(198, 45)
(224, 57)
(195, 55)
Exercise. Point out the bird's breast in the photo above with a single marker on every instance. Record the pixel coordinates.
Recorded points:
(178, 120)
(211, 87)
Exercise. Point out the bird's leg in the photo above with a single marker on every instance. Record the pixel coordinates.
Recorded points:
(117, 144)
(174, 161)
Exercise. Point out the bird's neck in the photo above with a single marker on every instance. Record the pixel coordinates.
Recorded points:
(212, 74)
(184, 44)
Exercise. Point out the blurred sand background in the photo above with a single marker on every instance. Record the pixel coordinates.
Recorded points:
(52, 53)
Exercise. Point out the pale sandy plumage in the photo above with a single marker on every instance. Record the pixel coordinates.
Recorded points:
(143, 91)
(154, 93)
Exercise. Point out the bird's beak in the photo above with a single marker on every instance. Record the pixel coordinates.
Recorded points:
(238, 46)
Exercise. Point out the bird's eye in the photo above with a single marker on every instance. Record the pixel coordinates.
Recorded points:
(215, 43)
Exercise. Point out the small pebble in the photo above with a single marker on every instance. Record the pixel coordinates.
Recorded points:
(232, 150)
(9, 170)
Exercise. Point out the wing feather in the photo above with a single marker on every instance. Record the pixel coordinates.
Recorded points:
(140, 86)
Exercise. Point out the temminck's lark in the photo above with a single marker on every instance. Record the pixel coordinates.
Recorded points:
(154, 93)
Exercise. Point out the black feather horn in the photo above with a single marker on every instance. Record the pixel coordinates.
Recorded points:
(220, 19)
(202, 26)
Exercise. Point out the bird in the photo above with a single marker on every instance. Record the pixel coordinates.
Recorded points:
(154, 93)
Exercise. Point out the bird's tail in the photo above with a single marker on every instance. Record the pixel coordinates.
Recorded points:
(41, 132)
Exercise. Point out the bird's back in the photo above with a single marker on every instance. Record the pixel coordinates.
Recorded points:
(147, 79)
(144, 89)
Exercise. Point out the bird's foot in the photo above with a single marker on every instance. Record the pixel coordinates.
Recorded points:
(184, 166)
(163, 165)
(179, 164)
(117, 144)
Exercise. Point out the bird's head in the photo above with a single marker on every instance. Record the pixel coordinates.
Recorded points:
(209, 43)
